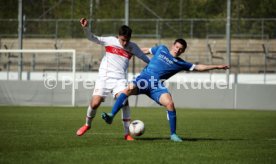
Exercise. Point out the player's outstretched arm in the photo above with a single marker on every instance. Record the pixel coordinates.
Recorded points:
(139, 53)
(88, 33)
(202, 67)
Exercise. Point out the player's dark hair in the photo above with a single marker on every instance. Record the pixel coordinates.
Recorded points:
(124, 30)
(181, 41)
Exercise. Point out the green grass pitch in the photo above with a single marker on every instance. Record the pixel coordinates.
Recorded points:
(47, 135)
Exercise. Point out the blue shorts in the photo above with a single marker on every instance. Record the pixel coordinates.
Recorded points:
(149, 86)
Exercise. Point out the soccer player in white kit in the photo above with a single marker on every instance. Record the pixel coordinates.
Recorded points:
(112, 72)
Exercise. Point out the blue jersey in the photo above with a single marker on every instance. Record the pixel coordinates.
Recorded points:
(163, 65)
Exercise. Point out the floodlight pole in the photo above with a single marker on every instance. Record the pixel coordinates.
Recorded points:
(133, 60)
(126, 12)
(127, 23)
(228, 39)
(90, 12)
(20, 33)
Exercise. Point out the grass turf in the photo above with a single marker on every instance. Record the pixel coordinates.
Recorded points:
(47, 135)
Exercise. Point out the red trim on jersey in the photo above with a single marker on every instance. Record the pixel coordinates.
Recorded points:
(118, 51)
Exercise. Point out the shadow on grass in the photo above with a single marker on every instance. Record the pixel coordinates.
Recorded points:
(191, 139)
(153, 138)
(213, 139)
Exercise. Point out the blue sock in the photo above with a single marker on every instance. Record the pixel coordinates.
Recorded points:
(119, 104)
(172, 121)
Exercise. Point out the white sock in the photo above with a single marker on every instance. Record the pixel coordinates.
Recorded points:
(126, 118)
(90, 115)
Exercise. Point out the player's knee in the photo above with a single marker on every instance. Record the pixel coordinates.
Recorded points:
(130, 90)
(127, 91)
(95, 105)
(170, 105)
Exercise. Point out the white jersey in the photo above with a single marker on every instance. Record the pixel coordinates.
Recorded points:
(116, 59)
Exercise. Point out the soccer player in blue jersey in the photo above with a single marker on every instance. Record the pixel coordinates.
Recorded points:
(164, 64)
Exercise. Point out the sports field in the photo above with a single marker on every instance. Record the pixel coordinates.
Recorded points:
(47, 135)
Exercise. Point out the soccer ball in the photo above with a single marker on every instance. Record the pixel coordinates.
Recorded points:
(137, 128)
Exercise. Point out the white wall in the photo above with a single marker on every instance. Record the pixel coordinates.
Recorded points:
(235, 96)
(186, 77)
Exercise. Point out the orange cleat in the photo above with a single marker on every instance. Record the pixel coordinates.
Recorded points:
(82, 130)
(128, 137)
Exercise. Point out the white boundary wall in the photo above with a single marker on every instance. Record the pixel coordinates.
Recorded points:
(187, 77)
(249, 93)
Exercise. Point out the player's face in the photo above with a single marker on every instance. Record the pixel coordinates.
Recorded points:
(177, 49)
(124, 40)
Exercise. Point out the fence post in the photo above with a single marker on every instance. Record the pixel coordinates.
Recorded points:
(192, 29)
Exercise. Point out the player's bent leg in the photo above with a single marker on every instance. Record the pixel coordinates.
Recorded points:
(125, 114)
(91, 112)
(121, 100)
(126, 121)
(166, 100)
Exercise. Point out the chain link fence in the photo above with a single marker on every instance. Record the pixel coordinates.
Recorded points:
(154, 28)
(256, 35)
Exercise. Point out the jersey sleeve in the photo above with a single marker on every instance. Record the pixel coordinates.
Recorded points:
(135, 50)
(153, 50)
(188, 66)
(96, 39)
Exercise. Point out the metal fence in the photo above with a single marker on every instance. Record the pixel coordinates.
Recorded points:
(154, 28)
(244, 60)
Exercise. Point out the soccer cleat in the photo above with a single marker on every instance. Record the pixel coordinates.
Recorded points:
(128, 137)
(82, 130)
(176, 138)
(108, 117)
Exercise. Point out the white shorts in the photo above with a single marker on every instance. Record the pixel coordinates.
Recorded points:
(106, 85)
